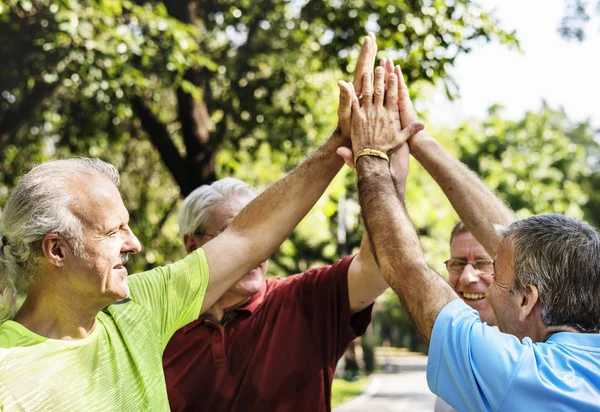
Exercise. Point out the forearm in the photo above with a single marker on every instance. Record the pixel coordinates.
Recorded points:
(270, 218)
(365, 282)
(422, 292)
(478, 208)
(260, 228)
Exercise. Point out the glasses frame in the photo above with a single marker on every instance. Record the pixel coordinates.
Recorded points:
(473, 263)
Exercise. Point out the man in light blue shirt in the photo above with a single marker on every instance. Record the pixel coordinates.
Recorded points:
(544, 353)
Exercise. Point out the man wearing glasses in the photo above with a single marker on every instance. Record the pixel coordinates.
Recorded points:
(470, 271)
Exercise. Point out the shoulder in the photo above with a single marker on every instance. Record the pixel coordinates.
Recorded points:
(12, 335)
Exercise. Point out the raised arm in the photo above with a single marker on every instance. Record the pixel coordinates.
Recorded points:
(477, 206)
(422, 292)
(259, 229)
(365, 282)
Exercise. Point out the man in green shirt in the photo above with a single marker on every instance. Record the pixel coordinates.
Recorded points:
(88, 337)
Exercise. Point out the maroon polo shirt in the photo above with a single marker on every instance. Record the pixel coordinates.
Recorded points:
(277, 353)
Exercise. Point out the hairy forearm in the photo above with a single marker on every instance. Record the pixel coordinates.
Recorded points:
(476, 205)
(259, 229)
(270, 218)
(422, 292)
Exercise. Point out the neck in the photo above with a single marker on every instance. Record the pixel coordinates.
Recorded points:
(551, 330)
(56, 316)
(227, 303)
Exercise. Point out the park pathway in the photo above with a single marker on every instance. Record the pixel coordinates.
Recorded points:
(401, 386)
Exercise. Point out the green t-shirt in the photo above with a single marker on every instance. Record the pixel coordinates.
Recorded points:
(118, 367)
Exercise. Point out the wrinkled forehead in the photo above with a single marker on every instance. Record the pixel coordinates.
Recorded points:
(96, 200)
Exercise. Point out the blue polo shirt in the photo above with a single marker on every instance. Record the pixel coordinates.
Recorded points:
(475, 367)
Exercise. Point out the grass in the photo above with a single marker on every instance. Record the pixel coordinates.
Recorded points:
(343, 390)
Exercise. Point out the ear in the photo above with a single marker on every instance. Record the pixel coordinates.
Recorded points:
(55, 249)
(529, 298)
(190, 242)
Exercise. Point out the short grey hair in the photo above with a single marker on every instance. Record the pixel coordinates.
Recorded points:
(458, 228)
(561, 257)
(40, 204)
(195, 212)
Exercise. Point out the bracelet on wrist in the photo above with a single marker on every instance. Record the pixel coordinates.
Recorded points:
(370, 152)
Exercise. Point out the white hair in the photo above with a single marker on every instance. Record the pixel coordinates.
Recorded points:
(195, 211)
(37, 206)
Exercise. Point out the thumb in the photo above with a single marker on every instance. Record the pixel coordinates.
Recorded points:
(411, 130)
(346, 154)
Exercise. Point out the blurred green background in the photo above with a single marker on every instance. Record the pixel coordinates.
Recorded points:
(177, 94)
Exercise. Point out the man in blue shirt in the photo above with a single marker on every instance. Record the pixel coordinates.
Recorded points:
(545, 352)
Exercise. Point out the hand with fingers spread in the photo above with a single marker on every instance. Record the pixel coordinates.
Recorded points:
(373, 125)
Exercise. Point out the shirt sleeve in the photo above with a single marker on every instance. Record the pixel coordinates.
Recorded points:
(471, 365)
(173, 294)
(327, 306)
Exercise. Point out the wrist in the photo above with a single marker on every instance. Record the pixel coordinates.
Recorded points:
(335, 140)
(367, 166)
(417, 144)
(370, 152)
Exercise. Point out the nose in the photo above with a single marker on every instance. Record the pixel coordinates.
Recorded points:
(468, 275)
(132, 244)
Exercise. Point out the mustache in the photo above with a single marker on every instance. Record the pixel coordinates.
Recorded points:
(123, 259)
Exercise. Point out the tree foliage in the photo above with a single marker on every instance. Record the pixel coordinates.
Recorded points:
(577, 15)
(180, 93)
(541, 163)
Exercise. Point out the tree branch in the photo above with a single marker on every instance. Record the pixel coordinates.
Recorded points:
(160, 138)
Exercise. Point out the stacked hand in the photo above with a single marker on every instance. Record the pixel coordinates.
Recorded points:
(373, 125)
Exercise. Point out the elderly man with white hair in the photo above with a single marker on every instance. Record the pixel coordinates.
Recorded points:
(266, 344)
(87, 337)
(270, 344)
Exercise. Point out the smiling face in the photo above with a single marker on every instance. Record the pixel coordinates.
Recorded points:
(220, 217)
(471, 285)
(98, 273)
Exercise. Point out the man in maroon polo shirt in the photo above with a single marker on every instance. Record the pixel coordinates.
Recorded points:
(269, 344)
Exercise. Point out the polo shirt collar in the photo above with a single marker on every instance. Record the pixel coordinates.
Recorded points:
(591, 340)
(254, 303)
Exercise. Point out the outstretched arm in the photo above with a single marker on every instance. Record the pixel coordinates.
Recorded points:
(259, 229)
(422, 292)
(477, 206)
(365, 282)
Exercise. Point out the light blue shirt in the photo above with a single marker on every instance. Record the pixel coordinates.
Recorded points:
(475, 367)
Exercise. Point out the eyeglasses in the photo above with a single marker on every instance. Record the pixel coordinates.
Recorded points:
(457, 266)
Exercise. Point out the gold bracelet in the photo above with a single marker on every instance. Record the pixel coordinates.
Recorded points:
(370, 152)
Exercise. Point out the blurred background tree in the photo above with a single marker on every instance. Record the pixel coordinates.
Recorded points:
(177, 94)
(578, 13)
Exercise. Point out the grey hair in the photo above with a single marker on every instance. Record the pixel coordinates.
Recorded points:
(195, 211)
(39, 205)
(561, 257)
(458, 228)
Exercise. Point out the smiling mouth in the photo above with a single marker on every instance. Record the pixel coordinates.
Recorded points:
(472, 296)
